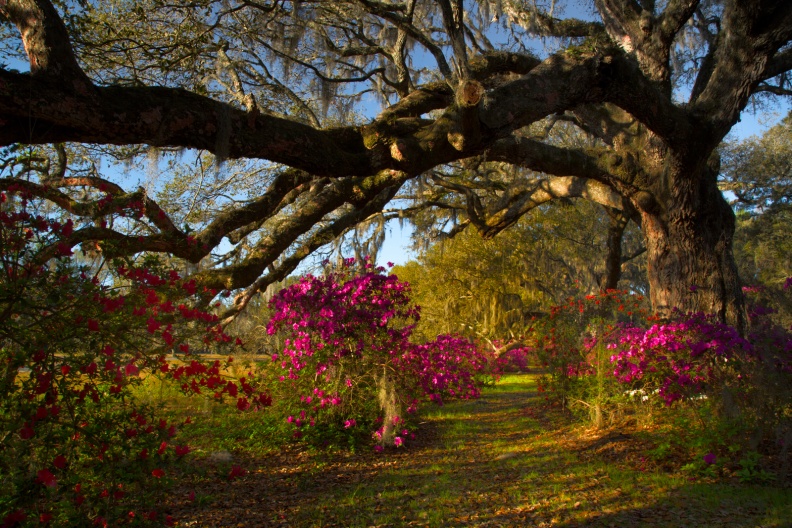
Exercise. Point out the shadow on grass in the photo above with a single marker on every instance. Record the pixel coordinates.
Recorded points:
(497, 461)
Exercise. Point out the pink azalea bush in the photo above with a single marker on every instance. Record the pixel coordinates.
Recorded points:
(348, 362)
(513, 355)
(75, 342)
(516, 359)
(678, 359)
(602, 352)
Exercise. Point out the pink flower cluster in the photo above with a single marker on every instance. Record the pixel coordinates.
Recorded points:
(678, 359)
(445, 367)
(344, 329)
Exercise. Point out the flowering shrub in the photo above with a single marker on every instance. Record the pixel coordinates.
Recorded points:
(515, 359)
(608, 357)
(347, 355)
(74, 341)
(510, 356)
(567, 338)
(740, 387)
(444, 368)
(677, 359)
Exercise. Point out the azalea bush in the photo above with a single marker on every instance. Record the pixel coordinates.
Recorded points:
(738, 388)
(513, 355)
(606, 356)
(567, 341)
(75, 340)
(516, 359)
(348, 364)
(684, 358)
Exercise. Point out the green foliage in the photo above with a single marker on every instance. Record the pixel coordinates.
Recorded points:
(492, 288)
(751, 470)
(758, 171)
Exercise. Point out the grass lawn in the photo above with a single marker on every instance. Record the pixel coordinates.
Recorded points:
(501, 460)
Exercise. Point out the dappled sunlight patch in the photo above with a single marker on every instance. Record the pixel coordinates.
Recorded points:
(555, 474)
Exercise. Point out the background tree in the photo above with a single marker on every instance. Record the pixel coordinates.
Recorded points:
(757, 172)
(491, 288)
(656, 86)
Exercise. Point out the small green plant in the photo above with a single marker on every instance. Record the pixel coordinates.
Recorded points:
(750, 470)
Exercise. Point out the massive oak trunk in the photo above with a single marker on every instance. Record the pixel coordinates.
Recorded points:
(689, 238)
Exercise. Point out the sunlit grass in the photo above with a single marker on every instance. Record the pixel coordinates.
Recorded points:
(492, 463)
(208, 426)
(504, 459)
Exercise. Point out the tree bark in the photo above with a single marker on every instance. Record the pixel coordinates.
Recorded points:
(613, 260)
(689, 239)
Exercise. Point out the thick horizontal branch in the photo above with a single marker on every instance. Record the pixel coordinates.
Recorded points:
(36, 111)
(598, 164)
(358, 191)
(522, 198)
(323, 236)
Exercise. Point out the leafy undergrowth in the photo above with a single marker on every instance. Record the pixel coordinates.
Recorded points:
(502, 460)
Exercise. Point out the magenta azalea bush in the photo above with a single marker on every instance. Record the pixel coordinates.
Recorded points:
(348, 362)
(604, 355)
(514, 355)
(679, 359)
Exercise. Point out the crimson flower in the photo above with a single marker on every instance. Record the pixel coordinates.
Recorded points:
(237, 471)
(46, 477)
(26, 433)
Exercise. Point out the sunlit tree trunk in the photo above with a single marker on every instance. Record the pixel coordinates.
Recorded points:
(390, 405)
(690, 260)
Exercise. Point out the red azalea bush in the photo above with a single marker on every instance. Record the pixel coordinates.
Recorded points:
(566, 339)
(75, 340)
(348, 363)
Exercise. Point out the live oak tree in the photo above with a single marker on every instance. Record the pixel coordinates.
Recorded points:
(656, 84)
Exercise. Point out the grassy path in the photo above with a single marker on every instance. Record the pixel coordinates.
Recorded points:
(496, 461)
